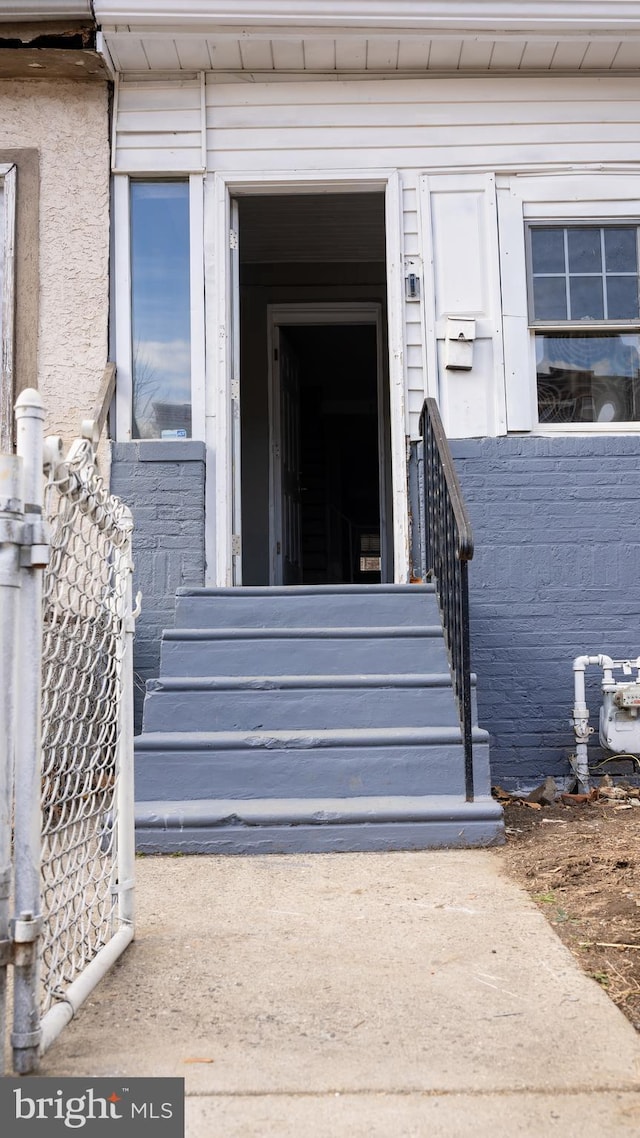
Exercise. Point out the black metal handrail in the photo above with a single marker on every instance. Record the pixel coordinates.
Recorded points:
(448, 543)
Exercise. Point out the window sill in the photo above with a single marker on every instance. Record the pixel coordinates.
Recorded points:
(586, 429)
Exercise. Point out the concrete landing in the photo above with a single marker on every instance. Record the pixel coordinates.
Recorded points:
(392, 994)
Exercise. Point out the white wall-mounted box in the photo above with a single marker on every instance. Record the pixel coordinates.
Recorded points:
(459, 341)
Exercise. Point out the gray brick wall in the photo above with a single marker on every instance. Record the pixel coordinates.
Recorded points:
(555, 575)
(163, 483)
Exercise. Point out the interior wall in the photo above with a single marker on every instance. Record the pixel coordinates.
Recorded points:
(262, 285)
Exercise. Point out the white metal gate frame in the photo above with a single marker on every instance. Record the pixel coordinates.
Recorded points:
(66, 718)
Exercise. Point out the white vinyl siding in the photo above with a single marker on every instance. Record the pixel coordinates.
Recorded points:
(439, 127)
(414, 340)
(159, 127)
(431, 124)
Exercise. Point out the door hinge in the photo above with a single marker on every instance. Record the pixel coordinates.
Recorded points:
(235, 388)
(236, 545)
(233, 239)
(275, 353)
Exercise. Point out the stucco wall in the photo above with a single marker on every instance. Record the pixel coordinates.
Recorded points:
(554, 576)
(66, 124)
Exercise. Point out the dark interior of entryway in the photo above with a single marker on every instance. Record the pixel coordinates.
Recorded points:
(339, 459)
(318, 249)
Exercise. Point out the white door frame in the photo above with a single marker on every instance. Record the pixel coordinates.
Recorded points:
(330, 312)
(219, 190)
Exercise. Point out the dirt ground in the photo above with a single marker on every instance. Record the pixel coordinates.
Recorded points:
(581, 864)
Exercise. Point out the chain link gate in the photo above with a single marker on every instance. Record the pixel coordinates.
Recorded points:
(66, 773)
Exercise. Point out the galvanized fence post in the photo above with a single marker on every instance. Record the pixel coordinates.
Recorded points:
(125, 836)
(11, 519)
(27, 922)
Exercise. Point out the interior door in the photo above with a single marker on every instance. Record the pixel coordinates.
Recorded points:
(286, 451)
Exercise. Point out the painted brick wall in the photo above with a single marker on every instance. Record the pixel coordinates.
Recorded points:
(163, 483)
(555, 575)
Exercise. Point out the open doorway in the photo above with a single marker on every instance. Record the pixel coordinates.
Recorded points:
(327, 446)
(314, 400)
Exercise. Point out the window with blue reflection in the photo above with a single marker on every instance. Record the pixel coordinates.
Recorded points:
(160, 317)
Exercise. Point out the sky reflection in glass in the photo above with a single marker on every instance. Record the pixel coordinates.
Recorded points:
(160, 310)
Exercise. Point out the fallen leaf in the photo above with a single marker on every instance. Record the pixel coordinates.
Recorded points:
(501, 794)
(531, 805)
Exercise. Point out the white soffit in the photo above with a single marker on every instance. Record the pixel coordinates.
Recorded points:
(371, 36)
(151, 53)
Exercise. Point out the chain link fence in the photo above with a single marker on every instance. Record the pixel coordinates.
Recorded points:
(68, 849)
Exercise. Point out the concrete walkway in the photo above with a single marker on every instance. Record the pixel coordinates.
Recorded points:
(360, 995)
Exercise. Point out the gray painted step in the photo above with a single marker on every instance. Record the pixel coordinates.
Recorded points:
(288, 651)
(311, 825)
(328, 763)
(300, 606)
(249, 703)
(312, 717)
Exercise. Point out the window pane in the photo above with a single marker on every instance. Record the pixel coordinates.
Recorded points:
(160, 310)
(621, 250)
(622, 298)
(585, 250)
(586, 298)
(588, 379)
(549, 298)
(547, 250)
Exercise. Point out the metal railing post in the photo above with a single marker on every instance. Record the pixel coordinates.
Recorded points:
(27, 921)
(11, 519)
(125, 835)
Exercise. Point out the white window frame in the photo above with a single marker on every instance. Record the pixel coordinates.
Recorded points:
(7, 302)
(123, 299)
(558, 199)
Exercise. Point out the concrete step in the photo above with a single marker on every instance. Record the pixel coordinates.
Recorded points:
(307, 717)
(314, 606)
(251, 703)
(328, 762)
(302, 651)
(267, 826)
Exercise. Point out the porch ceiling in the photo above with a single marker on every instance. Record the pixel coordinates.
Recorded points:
(314, 228)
